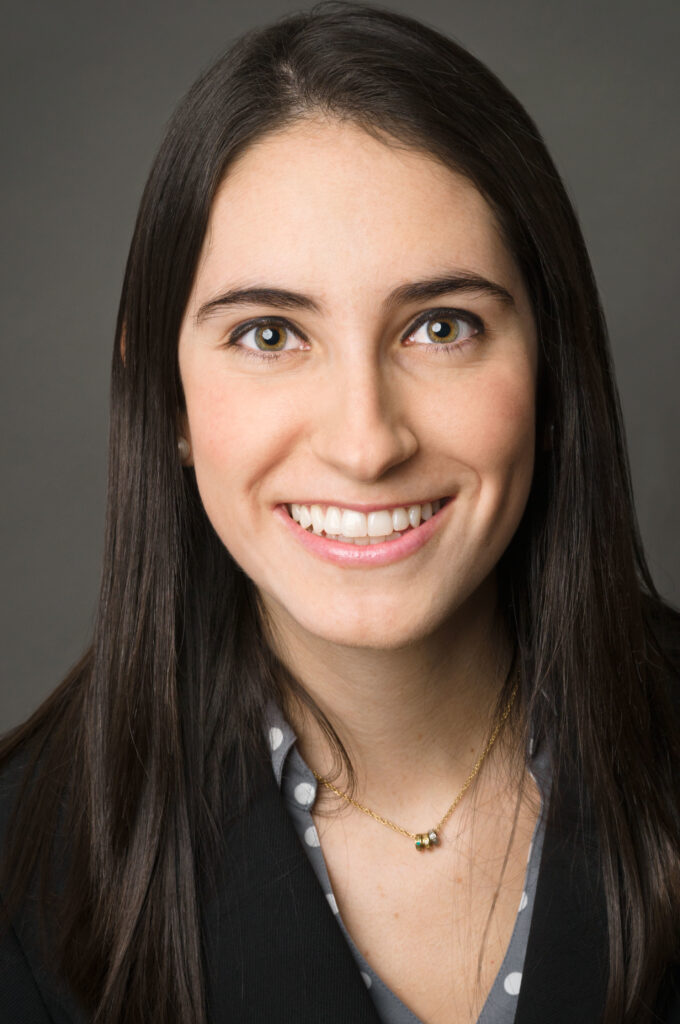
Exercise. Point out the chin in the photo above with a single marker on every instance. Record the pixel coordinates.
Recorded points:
(372, 636)
(369, 625)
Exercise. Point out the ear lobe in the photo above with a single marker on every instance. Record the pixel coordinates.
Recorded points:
(184, 441)
(184, 451)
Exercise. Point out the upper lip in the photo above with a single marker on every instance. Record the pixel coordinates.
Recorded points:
(372, 507)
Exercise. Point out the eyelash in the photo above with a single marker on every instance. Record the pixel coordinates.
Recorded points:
(449, 348)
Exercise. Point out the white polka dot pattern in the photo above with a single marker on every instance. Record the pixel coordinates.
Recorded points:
(305, 793)
(275, 738)
(312, 836)
(299, 789)
(512, 983)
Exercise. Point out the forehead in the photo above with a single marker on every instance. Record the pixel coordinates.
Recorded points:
(326, 205)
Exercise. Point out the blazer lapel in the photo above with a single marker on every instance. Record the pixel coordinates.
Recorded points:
(275, 953)
(565, 971)
(274, 949)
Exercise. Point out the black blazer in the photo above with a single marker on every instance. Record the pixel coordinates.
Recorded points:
(276, 954)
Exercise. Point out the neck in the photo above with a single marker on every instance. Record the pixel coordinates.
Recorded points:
(418, 712)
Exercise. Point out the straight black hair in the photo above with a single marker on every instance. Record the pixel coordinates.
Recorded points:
(153, 742)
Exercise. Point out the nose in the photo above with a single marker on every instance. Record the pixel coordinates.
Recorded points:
(360, 426)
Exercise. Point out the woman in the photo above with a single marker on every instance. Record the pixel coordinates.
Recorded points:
(377, 659)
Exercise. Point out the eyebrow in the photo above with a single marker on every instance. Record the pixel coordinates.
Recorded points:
(412, 291)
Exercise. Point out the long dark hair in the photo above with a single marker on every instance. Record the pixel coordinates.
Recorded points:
(128, 757)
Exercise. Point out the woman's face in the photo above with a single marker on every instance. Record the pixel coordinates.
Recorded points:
(358, 340)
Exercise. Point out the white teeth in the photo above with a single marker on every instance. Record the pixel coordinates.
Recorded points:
(414, 515)
(352, 527)
(353, 523)
(318, 518)
(333, 521)
(399, 519)
(379, 523)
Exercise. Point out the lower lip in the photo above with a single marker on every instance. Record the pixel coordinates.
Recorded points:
(358, 555)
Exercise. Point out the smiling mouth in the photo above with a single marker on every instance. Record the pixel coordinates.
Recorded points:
(361, 528)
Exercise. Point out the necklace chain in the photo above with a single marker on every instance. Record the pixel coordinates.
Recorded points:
(429, 839)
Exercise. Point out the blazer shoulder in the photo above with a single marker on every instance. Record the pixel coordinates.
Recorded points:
(16, 773)
(30, 991)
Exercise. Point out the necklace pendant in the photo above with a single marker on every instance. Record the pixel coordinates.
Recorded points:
(427, 840)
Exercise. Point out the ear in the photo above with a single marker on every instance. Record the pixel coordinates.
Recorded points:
(184, 447)
(123, 336)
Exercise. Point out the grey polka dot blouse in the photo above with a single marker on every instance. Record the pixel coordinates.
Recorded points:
(299, 787)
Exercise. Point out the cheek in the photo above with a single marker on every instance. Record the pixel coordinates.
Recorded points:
(507, 427)
(237, 435)
(488, 423)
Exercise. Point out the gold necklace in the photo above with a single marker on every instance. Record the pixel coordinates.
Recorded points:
(428, 840)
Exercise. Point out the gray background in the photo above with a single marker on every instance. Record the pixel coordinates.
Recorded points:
(86, 91)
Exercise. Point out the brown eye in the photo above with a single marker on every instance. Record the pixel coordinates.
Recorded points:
(446, 330)
(273, 336)
(270, 337)
(443, 329)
